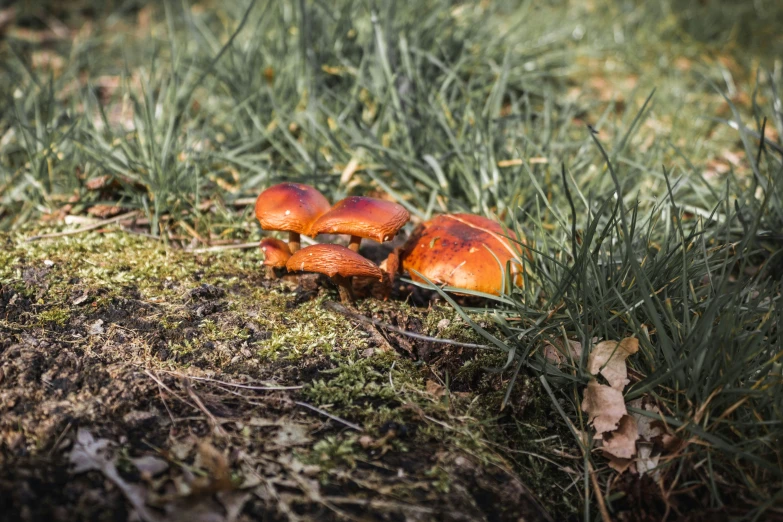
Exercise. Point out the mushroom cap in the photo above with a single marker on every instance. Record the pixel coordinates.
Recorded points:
(290, 207)
(363, 217)
(456, 250)
(276, 252)
(333, 260)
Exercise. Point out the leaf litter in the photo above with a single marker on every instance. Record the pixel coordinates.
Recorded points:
(630, 441)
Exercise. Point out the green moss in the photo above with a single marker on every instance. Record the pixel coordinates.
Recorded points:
(54, 316)
(260, 324)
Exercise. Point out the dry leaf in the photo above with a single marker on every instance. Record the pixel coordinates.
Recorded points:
(292, 434)
(618, 464)
(649, 428)
(150, 466)
(604, 405)
(212, 460)
(608, 359)
(435, 389)
(557, 356)
(89, 454)
(646, 462)
(622, 442)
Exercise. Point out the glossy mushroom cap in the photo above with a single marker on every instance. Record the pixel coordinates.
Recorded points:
(290, 207)
(333, 260)
(363, 217)
(456, 250)
(276, 252)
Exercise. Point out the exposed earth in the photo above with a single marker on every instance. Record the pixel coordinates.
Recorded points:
(138, 382)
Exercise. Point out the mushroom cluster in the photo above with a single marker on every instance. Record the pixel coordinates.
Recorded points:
(302, 210)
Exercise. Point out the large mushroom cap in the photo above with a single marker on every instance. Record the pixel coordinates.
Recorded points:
(290, 207)
(276, 252)
(363, 217)
(333, 260)
(457, 250)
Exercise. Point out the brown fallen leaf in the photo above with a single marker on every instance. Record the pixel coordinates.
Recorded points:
(435, 389)
(646, 462)
(608, 359)
(604, 405)
(208, 457)
(292, 434)
(622, 442)
(555, 353)
(91, 454)
(618, 464)
(649, 427)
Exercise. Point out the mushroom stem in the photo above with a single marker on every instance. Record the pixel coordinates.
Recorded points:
(345, 285)
(390, 267)
(355, 242)
(294, 242)
(270, 272)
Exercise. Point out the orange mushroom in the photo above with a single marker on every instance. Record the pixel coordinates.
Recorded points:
(362, 217)
(276, 254)
(337, 262)
(292, 208)
(457, 250)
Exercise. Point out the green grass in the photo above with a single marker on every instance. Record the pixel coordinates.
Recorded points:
(443, 105)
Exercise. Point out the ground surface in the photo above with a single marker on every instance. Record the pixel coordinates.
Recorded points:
(108, 337)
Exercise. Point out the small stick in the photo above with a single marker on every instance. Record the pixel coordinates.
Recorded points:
(99, 224)
(336, 307)
(219, 248)
(234, 384)
(238, 246)
(211, 418)
(327, 414)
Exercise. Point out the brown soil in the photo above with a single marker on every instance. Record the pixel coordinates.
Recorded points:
(125, 401)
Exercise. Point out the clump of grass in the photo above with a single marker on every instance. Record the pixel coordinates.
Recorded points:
(702, 294)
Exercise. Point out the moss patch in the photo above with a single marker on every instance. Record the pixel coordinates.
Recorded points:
(166, 353)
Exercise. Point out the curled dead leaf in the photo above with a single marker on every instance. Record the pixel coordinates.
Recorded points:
(649, 427)
(557, 355)
(646, 461)
(608, 359)
(618, 464)
(435, 389)
(622, 441)
(604, 405)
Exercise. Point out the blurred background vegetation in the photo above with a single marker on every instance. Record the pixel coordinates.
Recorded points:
(190, 109)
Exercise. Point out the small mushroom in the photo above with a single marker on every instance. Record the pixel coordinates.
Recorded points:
(457, 250)
(292, 208)
(362, 217)
(276, 254)
(339, 263)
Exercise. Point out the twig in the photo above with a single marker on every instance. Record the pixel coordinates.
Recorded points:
(220, 248)
(238, 246)
(99, 224)
(211, 418)
(373, 504)
(327, 414)
(599, 496)
(60, 438)
(172, 392)
(139, 233)
(234, 384)
(336, 307)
